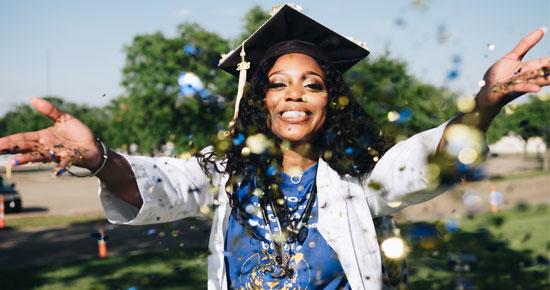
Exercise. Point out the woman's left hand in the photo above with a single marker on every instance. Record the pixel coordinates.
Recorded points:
(510, 77)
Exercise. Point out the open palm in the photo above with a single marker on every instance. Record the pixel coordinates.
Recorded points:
(510, 77)
(67, 142)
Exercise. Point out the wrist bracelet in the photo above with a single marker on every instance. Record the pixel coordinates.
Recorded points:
(104, 156)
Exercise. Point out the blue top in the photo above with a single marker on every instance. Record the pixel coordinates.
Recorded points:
(248, 244)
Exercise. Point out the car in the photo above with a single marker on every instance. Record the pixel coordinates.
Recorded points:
(12, 198)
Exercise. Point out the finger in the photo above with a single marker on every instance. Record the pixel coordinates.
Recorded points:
(47, 109)
(527, 43)
(524, 88)
(29, 158)
(61, 167)
(18, 143)
(532, 65)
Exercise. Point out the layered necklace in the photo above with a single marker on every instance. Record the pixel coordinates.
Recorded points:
(292, 231)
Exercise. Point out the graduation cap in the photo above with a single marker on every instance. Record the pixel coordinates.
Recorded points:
(290, 31)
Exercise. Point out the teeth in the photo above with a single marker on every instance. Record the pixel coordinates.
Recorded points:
(293, 114)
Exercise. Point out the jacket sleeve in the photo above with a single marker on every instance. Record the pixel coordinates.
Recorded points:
(400, 177)
(171, 189)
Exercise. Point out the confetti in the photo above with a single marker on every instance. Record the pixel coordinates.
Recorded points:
(8, 172)
(394, 204)
(460, 136)
(466, 104)
(491, 46)
(190, 49)
(343, 101)
(481, 83)
(393, 116)
(393, 248)
(453, 74)
(239, 139)
(190, 84)
(257, 143)
(467, 156)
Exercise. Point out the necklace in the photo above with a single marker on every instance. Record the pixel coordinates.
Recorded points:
(293, 230)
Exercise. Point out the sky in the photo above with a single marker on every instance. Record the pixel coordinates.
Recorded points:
(74, 49)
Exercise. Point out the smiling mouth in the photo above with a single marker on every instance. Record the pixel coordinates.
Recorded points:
(293, 116)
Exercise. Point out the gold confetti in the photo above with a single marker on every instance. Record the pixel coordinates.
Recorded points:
(343, 101)
(393, 116)
(393, 248)
(465, 104)
(8, 172)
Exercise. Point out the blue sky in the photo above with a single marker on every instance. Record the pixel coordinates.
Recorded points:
(85, 39)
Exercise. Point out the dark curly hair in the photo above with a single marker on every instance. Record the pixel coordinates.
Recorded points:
(349, 141)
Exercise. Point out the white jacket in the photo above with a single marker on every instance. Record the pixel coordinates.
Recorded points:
(173, 189)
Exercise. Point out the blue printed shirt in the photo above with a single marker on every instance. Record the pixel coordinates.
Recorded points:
(248, 243)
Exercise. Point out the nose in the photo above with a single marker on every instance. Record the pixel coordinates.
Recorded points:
(294, 94)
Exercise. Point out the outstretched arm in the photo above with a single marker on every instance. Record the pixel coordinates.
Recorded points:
(509, 78)
(71, 142)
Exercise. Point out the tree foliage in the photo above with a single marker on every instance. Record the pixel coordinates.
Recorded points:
(527, 120)
(25, 118)
(151, 111)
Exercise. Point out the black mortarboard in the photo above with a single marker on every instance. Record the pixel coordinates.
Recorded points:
(288, 30)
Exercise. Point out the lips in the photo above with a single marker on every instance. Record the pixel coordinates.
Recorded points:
(294, 116)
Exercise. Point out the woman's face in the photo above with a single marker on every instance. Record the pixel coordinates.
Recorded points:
(296, 97)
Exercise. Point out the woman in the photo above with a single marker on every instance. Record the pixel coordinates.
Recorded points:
(294, 196)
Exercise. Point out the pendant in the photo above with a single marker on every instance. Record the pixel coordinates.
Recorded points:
(279, 272)
(302, 234)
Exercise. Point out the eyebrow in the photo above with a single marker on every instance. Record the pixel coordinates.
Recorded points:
(306, 73)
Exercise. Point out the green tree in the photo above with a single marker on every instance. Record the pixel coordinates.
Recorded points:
(383, 85)
(527, 120)
(152, 111)
(25, 118)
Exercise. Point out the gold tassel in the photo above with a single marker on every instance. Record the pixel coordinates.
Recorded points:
(242, 67)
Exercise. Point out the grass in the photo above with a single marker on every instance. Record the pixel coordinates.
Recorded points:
(50, 221)
(524, 227)
(523, 175)
(508, 250)
(161, 270)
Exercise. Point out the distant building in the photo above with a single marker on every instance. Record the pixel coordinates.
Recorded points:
(514, 144)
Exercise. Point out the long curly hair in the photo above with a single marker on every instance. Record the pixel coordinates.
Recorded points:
(349, 141)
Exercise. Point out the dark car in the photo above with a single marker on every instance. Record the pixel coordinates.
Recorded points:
(12, 199)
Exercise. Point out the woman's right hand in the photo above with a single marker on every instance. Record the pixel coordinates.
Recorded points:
(67, 142)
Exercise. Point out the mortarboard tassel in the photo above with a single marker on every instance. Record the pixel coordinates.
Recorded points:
(242, 67)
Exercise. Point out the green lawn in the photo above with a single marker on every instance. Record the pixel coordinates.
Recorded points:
(164, 270)
(16, 222)
(510, 250)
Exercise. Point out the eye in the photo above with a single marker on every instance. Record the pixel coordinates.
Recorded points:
(315, 86)
(276, 85)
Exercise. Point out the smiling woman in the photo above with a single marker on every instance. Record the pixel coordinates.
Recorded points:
(296, 98)
(296, 183)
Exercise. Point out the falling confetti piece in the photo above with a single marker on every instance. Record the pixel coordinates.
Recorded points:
(393, 116)
(8, 172)
(467, 156)
(491, 46)
(394, 204)
(393, 248)
(481, 83)
(190, 84)
(452, 74)
(257, 143)
(466, 104)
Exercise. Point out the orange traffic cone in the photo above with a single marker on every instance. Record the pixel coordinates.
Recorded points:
(102, 243)
(493, 199)
(2, 216)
